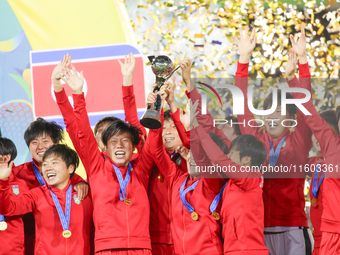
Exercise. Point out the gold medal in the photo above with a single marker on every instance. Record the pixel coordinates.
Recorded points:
(216, 216)
(67, 233)
(127, 201)
(315, 202)
(3, 225)
(194, 216)
(161, 178)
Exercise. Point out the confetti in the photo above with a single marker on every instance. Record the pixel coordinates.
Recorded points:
(216, 42)
(183, 28)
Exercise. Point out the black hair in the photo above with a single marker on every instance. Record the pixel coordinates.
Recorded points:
(249, 145)
(69, 156)
(236, 127)
(108, 119)
(330, 116)
(7, 147)
(119, 127)
(290, 108)
(219, 143)
(167, 116)
(43, 127)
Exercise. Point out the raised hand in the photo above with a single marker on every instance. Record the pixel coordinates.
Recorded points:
(300, 45)
(127, 69)
(170, 94)
(5, 167)
(183, 151)
(58, 72)
(185, 65)
(73, 80)
(185, 117)
(245, 44)
(291, 64)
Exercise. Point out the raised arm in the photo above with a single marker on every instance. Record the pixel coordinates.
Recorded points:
(175, 112)
(246, 45)
(88, 149)
(327, 138)
(130, 108)
(64, 105)
(302, 135)
(214, 180)
(245, 180)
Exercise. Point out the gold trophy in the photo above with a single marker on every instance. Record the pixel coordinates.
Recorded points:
(163, 68)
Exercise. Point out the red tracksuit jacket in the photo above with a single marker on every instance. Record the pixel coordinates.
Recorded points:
(118, 225)
(49, 239)
(330, 146)
(284, 200)
(242, 211)
(25, 172)
(159, 191)
(12, 240)
(190, 237)
(316, 212)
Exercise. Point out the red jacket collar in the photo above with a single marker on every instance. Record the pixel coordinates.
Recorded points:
(276, 142)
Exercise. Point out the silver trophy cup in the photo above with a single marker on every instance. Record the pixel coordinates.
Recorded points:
(163, 68)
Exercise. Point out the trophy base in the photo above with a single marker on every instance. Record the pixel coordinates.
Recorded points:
(151, 119)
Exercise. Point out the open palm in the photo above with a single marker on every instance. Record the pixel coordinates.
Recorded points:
(129, 64)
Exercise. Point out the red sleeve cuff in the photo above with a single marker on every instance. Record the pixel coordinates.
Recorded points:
(304, 70)
(195, 95)
(128, 90)
(293, 83)
(188, 94)
(79, 100)
(61, 96)
(175, 115)
(242, 70)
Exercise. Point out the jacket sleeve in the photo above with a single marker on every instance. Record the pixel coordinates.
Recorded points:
(245, 180)
(213, 180)
(207, 121)
(70, 119)
(180, 128)
(89, 151)
(10, 206)
(241, 81)
(329, 141)
(131, 115)
(145, 158)
(302, 136)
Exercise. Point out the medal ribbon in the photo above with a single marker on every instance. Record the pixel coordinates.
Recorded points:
(182, 194)
(64, 218)
(122, 183)
(2, 217)
(38, 174)
(217, 199)
(274, 155)
(316, 187)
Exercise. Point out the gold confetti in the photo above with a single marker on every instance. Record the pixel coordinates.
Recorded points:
(198, 36)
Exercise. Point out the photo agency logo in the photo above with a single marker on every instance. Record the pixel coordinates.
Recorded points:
(235, 95)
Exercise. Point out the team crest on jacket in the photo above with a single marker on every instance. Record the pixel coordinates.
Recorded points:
(15, 189)
(178, 161)
(76, 198)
